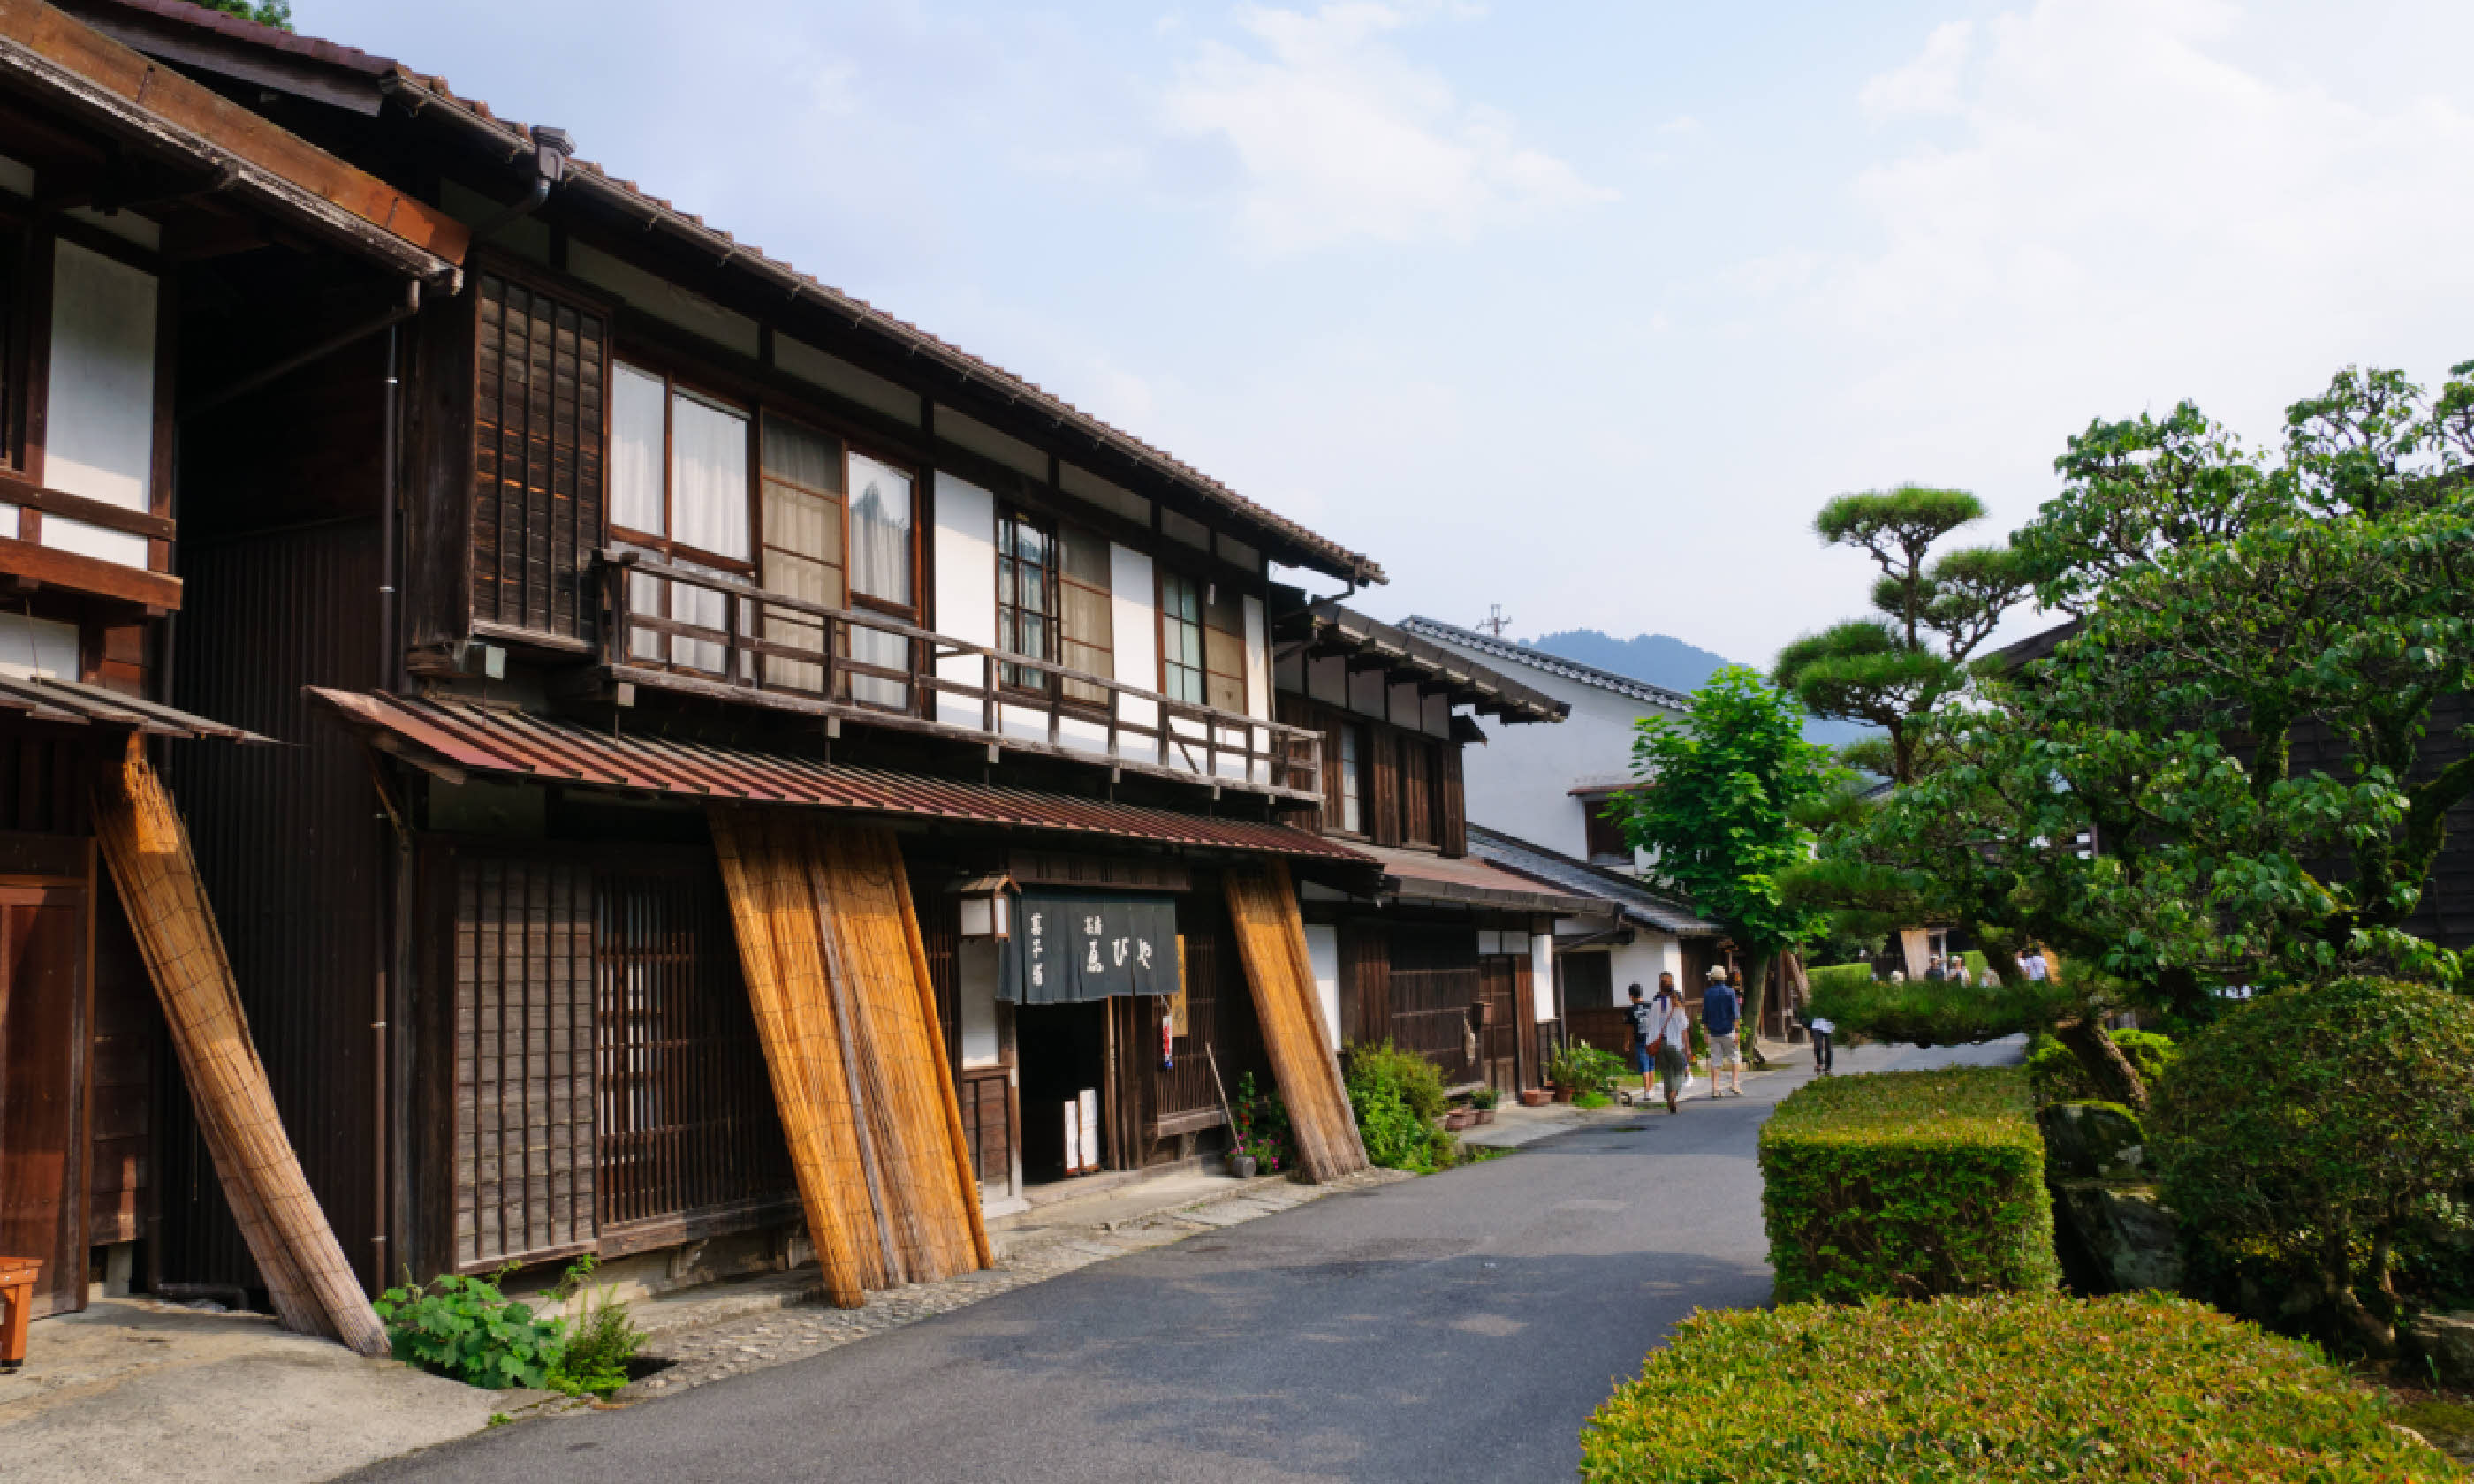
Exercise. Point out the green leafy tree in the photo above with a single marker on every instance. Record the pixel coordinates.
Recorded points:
(1893, 667)
(1716, 809)
(2135, 800)
(266, 13)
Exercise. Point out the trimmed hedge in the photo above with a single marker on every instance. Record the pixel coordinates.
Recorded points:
(1910, 1185)
(2009, 1387)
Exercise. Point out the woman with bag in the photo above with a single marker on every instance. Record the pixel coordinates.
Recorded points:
(1668, 1037)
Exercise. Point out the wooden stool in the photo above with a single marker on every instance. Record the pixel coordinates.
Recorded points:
(17, 1296)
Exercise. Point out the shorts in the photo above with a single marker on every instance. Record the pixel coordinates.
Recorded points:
(1641, 1060)
(1727, 1050)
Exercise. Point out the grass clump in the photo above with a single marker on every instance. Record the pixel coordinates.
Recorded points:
(1907, 1184)
(2009, 1387)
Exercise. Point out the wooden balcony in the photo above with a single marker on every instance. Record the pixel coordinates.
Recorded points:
(668, 627)
(34, 559)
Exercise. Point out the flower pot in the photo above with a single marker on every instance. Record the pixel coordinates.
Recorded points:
(1486, 1115)
(1564, 1095)
(1458, 1120)
(1536, 1098)
(1241, 1165)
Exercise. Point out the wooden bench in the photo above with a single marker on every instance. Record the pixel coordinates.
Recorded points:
(17, 1276)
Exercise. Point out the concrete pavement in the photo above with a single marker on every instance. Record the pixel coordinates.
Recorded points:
(1438, 1329)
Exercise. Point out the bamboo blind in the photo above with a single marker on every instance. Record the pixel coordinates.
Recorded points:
(147, 848)
(838, 976)
(1272, 939)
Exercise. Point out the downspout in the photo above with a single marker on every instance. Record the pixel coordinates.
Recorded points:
(383, 985)
(551, 148)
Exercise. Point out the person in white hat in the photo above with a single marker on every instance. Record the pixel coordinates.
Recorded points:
(1722, 1020)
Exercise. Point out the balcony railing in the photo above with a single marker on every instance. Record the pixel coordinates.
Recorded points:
(676, 628)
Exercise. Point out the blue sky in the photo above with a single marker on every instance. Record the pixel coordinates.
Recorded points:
(1580, 309)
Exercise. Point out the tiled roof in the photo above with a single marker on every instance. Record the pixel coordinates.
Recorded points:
(1421, 875)
(1552, 665)
(1331, 626)
(396, 78)
(460, 737)
(1580, 879)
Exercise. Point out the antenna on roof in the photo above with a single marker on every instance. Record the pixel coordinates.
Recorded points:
(1496, 621)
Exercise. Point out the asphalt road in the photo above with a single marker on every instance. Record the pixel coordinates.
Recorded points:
(1451, 1327)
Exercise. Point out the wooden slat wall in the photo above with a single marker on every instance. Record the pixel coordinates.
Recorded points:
(127, 1031)
(988, 1126)
(1433, 979)
(1272, 939)
(537, 459)
(686, 1127)
(1452, 803)
(1417, 791)
(524, 1124)
(1365, 983)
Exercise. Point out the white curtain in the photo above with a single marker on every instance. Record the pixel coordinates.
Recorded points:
(635, 411)
(880, 568)
(708, 476)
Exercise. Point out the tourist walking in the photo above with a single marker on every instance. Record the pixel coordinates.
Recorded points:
(1722, 1015)
(1666, 1034)
(1824, 1055)
(1640, 1017)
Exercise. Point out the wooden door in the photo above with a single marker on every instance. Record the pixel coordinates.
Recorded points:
(42, 1081)
(1499, 1040)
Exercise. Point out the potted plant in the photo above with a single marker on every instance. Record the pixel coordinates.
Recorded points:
(1482, 1104)
(1536, 1098)
(1240, 1164)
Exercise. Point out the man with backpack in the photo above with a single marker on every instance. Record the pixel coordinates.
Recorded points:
(1722, 1014)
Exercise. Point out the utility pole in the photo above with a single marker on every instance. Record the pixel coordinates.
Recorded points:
(1497, 620)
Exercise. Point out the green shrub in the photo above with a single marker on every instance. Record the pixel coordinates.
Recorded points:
(465, 1328)
(1907, 1184)
(600, 1341)
(2307, 1136)
(2058, 1078)
(2011, 1387)
(1396, 1095)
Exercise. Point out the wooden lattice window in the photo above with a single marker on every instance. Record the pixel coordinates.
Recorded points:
(539, 379)
(524, 1127)
(689, 1127)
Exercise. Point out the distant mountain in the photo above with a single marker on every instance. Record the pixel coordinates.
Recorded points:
(1663, 659)
(1660, 658)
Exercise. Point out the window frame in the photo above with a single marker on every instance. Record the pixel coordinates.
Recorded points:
(666, 545)
(1204, 588)
(1165, 575)
(1352, 752)
(1012, 520)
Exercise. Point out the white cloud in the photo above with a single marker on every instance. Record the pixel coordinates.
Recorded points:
(2120, 213)
(1340, 137)
(1928, 84)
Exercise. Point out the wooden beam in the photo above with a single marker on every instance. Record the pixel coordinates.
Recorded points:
(29, 28)
(16, 490)
(54, 567)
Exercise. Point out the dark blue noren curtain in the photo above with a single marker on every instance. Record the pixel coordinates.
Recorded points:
(1069, 949)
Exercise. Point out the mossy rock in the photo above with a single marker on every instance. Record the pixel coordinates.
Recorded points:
(2091, 1141)
(2127, 1228)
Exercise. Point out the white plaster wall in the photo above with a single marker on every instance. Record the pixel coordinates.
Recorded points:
(1322, 954)
(1134, 630)
(1541, 976)
(1258, 680)
(99, 434)
(1640, 962)
(975, 976)
(966, 585)
(1521, 780)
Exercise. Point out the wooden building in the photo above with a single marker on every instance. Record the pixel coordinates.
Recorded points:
(1446, 955)
(556, 577)
(128, 194)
